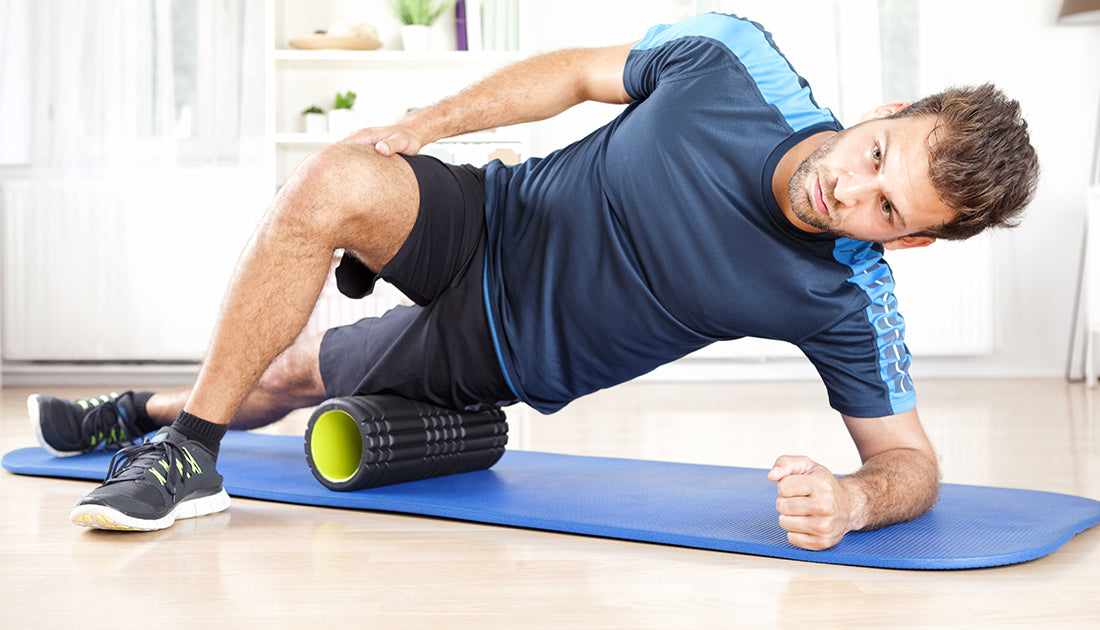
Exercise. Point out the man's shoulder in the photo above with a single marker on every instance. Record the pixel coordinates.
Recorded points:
(714, 42)
(731, 31)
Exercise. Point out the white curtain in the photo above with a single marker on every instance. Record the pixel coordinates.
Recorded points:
(118, 83)
(14, 84)
(143, 173)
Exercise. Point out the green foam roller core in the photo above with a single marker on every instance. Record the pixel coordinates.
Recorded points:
(336, 445)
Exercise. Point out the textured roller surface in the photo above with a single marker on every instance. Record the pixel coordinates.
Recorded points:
(397, 440)
(708, 507)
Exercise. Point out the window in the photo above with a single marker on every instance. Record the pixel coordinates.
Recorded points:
(154, 82)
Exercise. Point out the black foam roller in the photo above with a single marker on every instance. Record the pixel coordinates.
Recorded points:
(359, 442)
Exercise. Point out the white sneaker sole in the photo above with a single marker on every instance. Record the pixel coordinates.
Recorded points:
(103, 517)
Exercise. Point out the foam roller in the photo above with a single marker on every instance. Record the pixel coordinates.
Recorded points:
(359, 442)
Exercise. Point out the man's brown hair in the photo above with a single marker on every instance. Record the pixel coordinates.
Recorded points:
(980, 158)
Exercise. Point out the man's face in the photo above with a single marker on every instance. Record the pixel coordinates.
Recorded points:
(871, 183)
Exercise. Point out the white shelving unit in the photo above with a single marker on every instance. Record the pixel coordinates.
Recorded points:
(388, 82)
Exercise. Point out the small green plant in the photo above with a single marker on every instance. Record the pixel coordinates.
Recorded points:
(344, 101)
(424, 12)
(312, 109)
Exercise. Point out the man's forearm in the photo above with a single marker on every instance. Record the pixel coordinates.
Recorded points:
(535, 89)
(892, 487)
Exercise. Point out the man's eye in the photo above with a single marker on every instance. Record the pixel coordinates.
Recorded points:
(876, 153)
(887, 208)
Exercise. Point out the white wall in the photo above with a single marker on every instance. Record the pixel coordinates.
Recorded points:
(1054, 71)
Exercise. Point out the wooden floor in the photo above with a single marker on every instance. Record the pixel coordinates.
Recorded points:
(289, 566)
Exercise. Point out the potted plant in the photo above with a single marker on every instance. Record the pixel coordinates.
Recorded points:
(417, 16)
(314, 120)
(341, 118)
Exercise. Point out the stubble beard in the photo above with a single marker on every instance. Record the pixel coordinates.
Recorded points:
(802, 203)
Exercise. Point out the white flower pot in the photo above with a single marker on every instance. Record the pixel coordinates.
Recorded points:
(415, 37)
(342, 122)
(315, 123)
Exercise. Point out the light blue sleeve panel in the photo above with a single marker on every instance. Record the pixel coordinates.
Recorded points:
(839, 355)
(778, 83)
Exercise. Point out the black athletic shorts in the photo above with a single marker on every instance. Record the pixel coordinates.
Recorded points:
(440, 350)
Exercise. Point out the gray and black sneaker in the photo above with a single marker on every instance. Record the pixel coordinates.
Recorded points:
(71, 427)
(150, 485)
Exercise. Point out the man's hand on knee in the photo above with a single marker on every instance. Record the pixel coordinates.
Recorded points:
(388, 141)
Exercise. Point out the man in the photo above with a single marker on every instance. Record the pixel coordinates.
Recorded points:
(723, 202)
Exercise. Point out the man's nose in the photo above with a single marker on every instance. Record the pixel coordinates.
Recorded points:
(852, 190)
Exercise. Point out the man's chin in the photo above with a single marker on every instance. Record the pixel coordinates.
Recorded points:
(812, 219)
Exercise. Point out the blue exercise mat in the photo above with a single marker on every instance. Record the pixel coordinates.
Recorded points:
(707, 507)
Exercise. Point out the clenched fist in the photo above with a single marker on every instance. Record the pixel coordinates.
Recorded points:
(814, 507)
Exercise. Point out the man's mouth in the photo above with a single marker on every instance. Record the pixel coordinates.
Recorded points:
(819, 198)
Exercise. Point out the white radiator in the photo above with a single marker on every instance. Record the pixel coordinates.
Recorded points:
(121, 268)
(95, 270)
(947, 293)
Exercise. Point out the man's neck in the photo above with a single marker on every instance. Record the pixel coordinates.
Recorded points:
(785, 170)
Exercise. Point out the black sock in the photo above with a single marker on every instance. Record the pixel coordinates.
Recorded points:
(144, 423)
(188, 427)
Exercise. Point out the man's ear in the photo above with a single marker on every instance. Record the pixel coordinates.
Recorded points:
(882, 111)
(909, 242)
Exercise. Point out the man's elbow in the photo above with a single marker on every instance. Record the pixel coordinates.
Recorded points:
(929, 481)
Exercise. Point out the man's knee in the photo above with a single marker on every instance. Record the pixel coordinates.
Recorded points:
(330, 167)
(355, 197)
(296, 373)
(320, 188)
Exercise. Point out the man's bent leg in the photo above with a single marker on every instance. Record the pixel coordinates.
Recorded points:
(115, 420)
(292, 381)
(346, 196)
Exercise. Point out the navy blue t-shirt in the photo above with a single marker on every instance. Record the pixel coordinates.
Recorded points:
(658, 234)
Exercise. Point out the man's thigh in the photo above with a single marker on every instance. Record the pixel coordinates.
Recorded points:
(441, 350)
(449, 229)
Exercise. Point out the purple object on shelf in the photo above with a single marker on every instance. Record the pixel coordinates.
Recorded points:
(460, 26)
